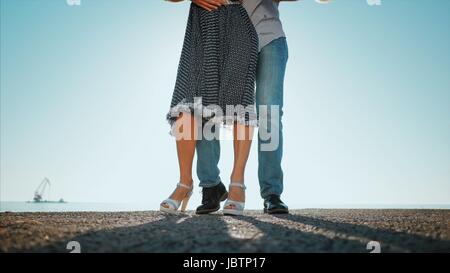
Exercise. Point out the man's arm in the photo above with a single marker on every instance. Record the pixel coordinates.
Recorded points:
(209, 5)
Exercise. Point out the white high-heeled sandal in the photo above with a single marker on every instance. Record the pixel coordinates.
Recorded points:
(173, 204)
(238, 206)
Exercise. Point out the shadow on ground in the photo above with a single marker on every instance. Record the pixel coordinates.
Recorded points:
(261, 233)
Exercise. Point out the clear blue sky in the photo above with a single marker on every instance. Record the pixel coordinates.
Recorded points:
(85, 90)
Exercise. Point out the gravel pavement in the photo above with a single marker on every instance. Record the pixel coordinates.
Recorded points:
(308, 230)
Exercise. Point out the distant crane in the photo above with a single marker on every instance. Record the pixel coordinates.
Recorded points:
(39, 192)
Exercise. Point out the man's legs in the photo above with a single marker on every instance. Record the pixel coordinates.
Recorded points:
(269, 91)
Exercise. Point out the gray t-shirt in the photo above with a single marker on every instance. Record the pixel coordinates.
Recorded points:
(265, 17)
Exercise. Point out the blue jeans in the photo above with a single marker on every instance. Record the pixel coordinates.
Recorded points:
(271, 69)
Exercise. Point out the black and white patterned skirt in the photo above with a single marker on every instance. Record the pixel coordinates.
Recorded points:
(217, 69)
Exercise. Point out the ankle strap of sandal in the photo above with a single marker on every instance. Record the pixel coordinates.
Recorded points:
(184, 186)
(240, 185)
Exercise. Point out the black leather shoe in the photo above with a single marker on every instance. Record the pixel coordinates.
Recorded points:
(211, 199)
(274, 205)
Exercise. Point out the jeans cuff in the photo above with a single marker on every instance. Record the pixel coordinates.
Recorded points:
(209, 184)
(265, 195)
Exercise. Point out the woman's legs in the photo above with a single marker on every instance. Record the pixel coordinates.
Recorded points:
(242, 142)
(185, 133)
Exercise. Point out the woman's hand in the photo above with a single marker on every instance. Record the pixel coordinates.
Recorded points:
(209, 5)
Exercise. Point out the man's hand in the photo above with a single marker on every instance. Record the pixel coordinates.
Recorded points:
(209, 5)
